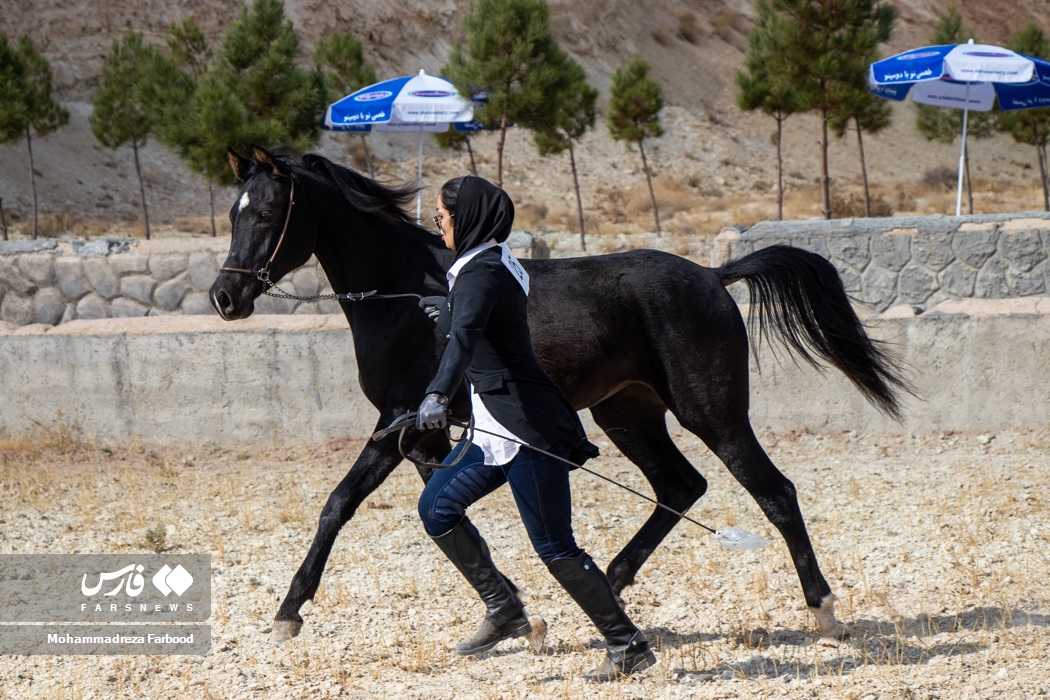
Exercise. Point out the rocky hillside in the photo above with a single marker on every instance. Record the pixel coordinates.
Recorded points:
(714, 165)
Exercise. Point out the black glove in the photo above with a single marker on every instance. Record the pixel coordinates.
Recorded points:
(433, 413)
(432, 306)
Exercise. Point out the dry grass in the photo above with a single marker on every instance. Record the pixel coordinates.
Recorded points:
(689, 208)
(688, 28)
(732, 27)
(671, 197)
(936, 546)
(692, 205)
(60, 437)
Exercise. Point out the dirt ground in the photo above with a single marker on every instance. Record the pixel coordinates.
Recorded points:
(936, 546)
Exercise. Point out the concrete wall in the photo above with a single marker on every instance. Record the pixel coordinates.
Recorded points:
(268, 379)
(278, 380)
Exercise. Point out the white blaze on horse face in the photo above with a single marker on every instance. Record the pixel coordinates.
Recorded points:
(244, 203)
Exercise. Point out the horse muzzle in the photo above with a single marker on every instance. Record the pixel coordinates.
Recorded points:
(233, 297)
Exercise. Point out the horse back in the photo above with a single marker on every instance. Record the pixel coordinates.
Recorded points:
(601, 322)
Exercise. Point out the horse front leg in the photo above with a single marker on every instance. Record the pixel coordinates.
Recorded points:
(375, 463)
(371, 468)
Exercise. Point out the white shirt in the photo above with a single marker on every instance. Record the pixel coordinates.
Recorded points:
(497, 449)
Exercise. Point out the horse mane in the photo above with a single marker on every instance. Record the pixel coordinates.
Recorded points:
(387, 200)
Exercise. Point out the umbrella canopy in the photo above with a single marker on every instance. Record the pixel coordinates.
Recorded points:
(410, 99)
(964, 76)
(416, 103)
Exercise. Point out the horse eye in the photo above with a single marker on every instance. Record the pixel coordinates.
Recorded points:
(264, 215)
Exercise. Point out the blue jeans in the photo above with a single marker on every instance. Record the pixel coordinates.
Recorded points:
(540, 486)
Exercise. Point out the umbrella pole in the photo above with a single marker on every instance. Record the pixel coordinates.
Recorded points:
(962, 152)
(419, 176)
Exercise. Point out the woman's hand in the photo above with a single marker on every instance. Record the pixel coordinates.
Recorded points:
(432, 306)
(433, 413)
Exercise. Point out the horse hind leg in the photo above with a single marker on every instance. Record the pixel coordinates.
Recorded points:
(745, 459)
(635, 423)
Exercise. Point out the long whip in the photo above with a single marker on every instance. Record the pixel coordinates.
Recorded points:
(730, 538)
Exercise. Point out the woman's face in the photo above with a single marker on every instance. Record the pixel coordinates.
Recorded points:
(444, 225)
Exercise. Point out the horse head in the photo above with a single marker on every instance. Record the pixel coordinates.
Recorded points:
(270, 237)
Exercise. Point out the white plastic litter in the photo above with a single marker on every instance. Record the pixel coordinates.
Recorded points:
(735, 538)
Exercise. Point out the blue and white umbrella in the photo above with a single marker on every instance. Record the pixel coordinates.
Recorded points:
(415, 103)
(964, 76)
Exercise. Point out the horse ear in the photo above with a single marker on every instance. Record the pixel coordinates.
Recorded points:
(239, 164)
(263, 157)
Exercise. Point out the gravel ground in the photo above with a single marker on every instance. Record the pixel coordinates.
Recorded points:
(936, 546)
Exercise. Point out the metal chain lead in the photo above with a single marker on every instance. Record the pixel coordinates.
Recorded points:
(348, 296)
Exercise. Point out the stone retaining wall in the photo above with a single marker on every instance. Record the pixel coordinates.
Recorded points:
(919, 261)
(53, 282)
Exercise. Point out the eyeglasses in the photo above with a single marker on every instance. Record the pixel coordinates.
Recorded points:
(439, 219)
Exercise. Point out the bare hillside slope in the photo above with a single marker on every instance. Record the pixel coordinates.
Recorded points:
(714, 166)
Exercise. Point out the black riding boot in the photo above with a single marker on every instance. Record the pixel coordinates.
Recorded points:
(505, 616)
(627, 649)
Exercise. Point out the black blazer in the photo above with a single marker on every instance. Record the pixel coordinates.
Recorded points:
(486, 322)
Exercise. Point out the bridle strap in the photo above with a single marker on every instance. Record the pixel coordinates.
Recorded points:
(263, 275)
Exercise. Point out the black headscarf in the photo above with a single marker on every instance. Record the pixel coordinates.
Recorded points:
(483, 212)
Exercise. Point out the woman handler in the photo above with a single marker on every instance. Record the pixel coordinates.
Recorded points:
(484, 317)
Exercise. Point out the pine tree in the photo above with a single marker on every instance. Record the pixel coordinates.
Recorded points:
(868, 113)
(822, 51)
(14, 114)
(122, 111)
(762, 86)
(275, 100)
(178, 74)
(635, 101)
(189, 49)
(510, 55)
(945, 125)
(342, 61)
(1031, 126)
(26, 105)
(251, 92)
(574, 116)
(45, 113)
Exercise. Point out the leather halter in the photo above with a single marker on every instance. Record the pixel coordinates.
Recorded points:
(263, 274)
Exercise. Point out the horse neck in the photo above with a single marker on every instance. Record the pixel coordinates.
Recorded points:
(361, 252)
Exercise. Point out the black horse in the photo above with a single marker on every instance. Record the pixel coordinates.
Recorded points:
(629, 336)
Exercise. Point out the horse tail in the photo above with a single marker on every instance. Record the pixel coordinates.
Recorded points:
(799, 297)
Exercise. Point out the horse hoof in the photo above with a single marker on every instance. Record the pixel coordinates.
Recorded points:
(836, 630)
(841, 632)
(538, 633)
(827, 625)
(283, 630)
